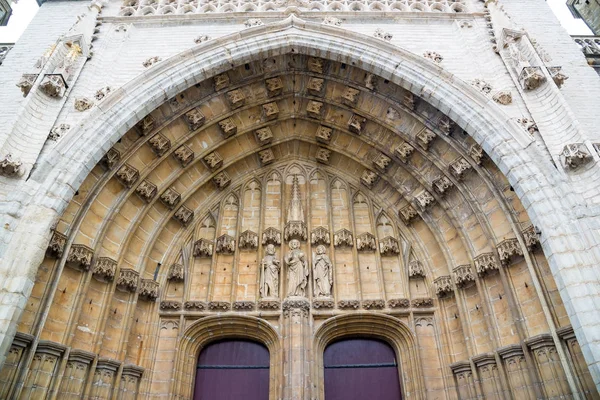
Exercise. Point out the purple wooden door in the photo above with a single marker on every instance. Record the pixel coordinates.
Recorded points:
(361, 369)
(233, 370)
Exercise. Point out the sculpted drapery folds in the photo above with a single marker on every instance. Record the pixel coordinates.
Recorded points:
(322, 273)
(269, 278)
(297, 270)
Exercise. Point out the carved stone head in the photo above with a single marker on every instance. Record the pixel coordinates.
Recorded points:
(321, 249)
(294, 244)
(271, 250)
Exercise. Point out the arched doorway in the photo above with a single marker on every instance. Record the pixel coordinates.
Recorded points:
(233, 370)
(361, 368)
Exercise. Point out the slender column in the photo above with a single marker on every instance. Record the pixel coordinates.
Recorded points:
(297, 354)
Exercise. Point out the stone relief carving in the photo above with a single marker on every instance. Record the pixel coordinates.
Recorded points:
(356, 123)
(146, 125)
(443, 286)
(315, 86)
(373, 304)
(463, 275)
(221, 81)
(184, 215)
(508, 250)
(422, 303)
(332, 21)
(416, 269)
(83, 104)
(53, 85)
(222, 180)
(225, 245)
(459, 167)
(433, 56)
(370, 81)
(323, 155)
(348, 304)
(297, 270)
(228, 127)
(160, 144)
(169, 305)
(322, 273)
(59, 131)
(170, 198)
(195, 118)
(274, 86)
(270, 111)
(532, 237)
(184, 155)
(219, 306)
(271, 236)
(104, 269)
(148, 289)
(476, 153)
(80, 256)
(575, 155)
(146, 190)
(266, 157)
(388, 246)
(407, 214)
(57, 244)
(369, 178)
(557, 76)
(264, 135)
(323, 304)
(253, 22)
(26, 83)
(350, 96)
(314, 109)
(485, 264)
(424, 200)
(269, 274)
(366, 242)
(316, 65)
(382, 162)
(151, 61)
(295, 308)
(213, 160)
(424, 138)
(270, 305)
(442, 185)
(323, 134)
(295, 226)
(343, 237)
(399, 303)
(128, 175)
(194, 306)
(102, 93)
(248, 240)
(243, 305)
(383, 35)
(128, 280)
(10, 167)
(176, 273)
(236, 98)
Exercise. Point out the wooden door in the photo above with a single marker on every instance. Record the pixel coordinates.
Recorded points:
(361, 369)
(233, 370)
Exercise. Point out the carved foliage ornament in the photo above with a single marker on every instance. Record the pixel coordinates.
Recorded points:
(146, 125)
(422, 303)
(424, 138)
(441, 185)
(170, 198)
(270, 111)
(146, 190)
(531, 77)
(274, 86)
(369, 178)
(170, 305)
(404, 151)
(416, 270)
(323, 134)
(356, 123)
(557, 76)
(264, 135)
(459, 167)
(53, 85)
(424, 200)
(221, 81)
(128, 175)
(433, 56)
(160, 144)
(57, 243)
(83, 104)
(266, 157)
(383, 35)
(222, 180)
(332, 21)
(399, 303)
(348, 304)
(58, 131)
(26, 83)
(219, 306)
(195, 119)
(213, 160)
(373, 304)
(314, 109)
(532, 237)
(194, 306)
(228, 127)
(203, 248)
(295, 308)
(184, 155)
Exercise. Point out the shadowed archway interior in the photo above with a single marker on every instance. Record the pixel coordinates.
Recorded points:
(172, 225)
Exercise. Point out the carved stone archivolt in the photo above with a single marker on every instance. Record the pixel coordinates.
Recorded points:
(343, 238)
(366, 242)
(320, 235)
(80, 257)
(443, 286)
(248, 240)
(323, 155)
(508, 250)
(271, 236)
(485, 264)
(184, 215)
(104, 269)
(270, 305)
(128, 280)
(463, 276)
(176, 273)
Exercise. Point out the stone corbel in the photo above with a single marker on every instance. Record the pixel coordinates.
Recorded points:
(575, 155)
(557, 76)
(54, 85)
(10, 168)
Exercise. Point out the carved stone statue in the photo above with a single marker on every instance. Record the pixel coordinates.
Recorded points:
(269, 274)
(297, 270)
(322, 273)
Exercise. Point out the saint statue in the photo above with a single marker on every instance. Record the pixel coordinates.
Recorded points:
(322, 273)
(297, 270)
(269, 274)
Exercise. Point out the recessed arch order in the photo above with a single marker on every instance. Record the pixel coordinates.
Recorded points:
(59, 173)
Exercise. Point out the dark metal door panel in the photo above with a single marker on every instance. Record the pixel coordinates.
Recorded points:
(361, 369)
(233, 370)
